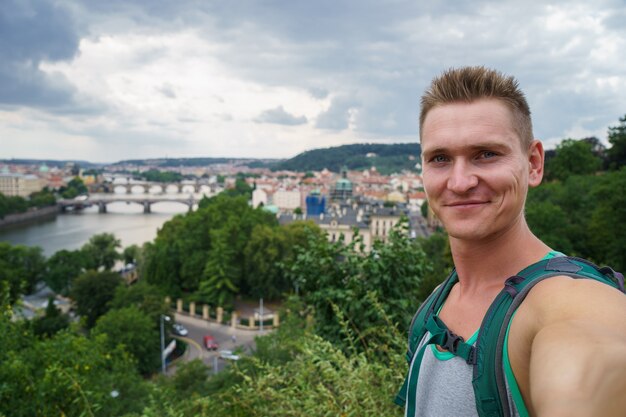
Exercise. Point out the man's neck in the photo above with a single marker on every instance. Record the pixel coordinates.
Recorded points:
(484, 265)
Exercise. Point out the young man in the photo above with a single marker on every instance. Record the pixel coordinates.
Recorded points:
(566, 350)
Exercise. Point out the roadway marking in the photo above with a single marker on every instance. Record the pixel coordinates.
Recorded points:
(192, 342)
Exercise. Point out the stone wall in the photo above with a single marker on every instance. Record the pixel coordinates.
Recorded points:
(29, 216)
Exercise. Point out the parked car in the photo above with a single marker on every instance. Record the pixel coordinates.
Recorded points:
(210, 343)
(179, 329)
(228, 354)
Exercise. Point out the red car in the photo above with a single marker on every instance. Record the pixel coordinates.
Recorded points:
(210, 343)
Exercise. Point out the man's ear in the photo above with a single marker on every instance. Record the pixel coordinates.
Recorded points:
(535, 162)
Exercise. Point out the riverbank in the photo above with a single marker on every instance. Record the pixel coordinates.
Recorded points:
(31, 216)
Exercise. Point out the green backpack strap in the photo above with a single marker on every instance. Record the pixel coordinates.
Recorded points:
(418, 328)
(488, 378)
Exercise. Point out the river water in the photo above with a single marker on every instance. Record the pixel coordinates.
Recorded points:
(72, 230)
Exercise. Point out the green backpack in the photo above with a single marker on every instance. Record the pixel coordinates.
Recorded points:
(488, 378)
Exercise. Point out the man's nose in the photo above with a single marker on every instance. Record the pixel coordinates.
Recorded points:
(462, 178)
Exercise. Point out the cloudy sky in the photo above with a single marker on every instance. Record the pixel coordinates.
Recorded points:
(119, 79)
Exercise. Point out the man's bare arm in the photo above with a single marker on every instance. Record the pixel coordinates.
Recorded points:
(578, 355)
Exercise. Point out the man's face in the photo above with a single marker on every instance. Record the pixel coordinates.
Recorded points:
(475, 172)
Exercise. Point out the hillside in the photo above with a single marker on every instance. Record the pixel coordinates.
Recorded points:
(387, 159)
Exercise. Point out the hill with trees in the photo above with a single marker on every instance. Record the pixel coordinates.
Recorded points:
(386, 158)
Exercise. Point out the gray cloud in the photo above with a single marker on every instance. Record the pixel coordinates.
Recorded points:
(167, 90)
(281, 117)
(31, 32)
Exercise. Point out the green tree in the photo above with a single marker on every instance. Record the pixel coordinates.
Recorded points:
(134, 331)
(74, 188)
(218, 287)
(424, 209)
(101, 251)
(66, 374)
(42, 198)
(369, 290)
(21, 268)
(52, 322)
(131, 254)
(436, 247)
(263, 254)
(607, 241)
(573, 157)
(550, 223)
(92, 293)
(11, 205)
(149, 299)
(617, 138)
(62, 268)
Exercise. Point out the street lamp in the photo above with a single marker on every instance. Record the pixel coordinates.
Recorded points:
(164, 318)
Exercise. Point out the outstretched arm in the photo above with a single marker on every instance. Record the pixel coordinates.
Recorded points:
(578, 354)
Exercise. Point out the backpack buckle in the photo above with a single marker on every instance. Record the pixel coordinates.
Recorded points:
(452, 341)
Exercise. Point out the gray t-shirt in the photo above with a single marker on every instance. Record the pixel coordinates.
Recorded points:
(444, 387)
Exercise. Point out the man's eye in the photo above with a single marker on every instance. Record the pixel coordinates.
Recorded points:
(488, 154)
(439, 158)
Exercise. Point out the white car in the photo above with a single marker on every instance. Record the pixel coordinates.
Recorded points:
(180, 330)
(228, 354)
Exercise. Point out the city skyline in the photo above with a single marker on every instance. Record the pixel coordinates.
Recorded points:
(139, 80)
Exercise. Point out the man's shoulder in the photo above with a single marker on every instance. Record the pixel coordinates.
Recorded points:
(565, 298)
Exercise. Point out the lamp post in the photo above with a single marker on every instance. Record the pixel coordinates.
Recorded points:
(261, 314)
(164, 318)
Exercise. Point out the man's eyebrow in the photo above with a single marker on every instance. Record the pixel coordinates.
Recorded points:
(474, 147)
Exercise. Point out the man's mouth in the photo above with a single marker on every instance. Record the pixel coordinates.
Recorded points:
(466, 203)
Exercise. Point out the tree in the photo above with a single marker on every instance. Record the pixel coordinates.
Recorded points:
(66, 374)
(74, 188)
(550, 223)
(217, 286)
(134, 331)
(62, 268)
(131, 254)
(42, 198)
(263, 254)
(92, 293)
(149, 299)
(573, 157)
(52, 322)
(21, 268)
(368, 291)
(424, 209)
(101, 251)
(617, 138)
(436, 247)
(607, 241)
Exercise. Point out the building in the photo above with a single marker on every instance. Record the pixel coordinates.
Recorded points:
(382, 220)
(342, 191)
(345, 221)
(287, 199)
(20, 185)
(315, 203)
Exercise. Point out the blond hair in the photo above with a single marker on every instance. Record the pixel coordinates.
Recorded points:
(468, 84)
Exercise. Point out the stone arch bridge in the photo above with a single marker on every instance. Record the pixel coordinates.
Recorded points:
(145, 200)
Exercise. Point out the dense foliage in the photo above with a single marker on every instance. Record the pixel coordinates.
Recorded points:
(388, 159)
(154, 175)
(222, 249)
(17, 204)
(73, 188)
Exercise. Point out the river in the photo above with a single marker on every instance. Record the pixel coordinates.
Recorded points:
(72, 230)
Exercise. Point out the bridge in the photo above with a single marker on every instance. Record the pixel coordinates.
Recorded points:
(131, 187)
(146, 200)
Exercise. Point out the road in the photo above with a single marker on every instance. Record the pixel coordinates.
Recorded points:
(198, 328)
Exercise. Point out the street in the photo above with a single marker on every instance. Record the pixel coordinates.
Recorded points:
(222, 334)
